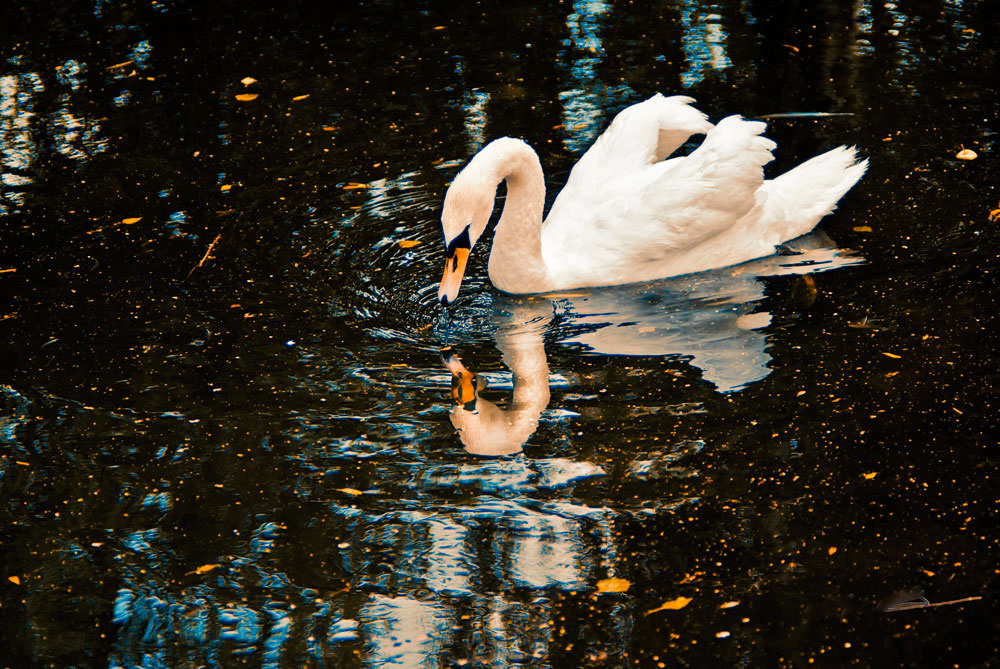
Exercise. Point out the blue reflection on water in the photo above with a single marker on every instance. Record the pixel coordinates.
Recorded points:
(704, 41)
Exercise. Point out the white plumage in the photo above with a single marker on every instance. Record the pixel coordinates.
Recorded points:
(628, 215)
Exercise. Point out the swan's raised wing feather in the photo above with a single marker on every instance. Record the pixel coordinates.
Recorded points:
(639, 136)
(645, 216)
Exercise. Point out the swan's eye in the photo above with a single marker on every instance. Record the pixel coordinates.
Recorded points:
(462, 241)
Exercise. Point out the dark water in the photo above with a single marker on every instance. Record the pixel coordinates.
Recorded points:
(227, 431)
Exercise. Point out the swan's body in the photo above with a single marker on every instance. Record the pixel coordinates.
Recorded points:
(627, 215)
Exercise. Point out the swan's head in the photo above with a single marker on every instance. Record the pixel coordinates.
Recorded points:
(467, 208)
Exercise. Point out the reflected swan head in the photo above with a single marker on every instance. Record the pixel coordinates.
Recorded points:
(482, 426)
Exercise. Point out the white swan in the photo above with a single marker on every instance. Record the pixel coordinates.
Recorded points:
(626, 215)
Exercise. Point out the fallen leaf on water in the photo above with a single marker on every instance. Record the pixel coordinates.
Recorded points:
(246, 81)
(350, 491)
(130, 221)
(831, 550)
(863, 228)
(14, 579)
(301, 97)
(225, 187)
(409, 243)
(891, 355)
(672, 605)
(247, 97)
(204, 569)
(966, 154)
(329, 128)
(729, 605)
(354, 186)
(22, 463)
(613, 585)
(869, 477)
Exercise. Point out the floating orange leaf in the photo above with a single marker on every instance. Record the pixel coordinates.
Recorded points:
(301, 97)
(831, 550)
(225, 187)
(130, 221)
(204, 569)
(350, 491)
(354, 186)
(729, 605)
(14, 579)
(613, 585)
(409, 243)
(891, 355)
(966, 154)
(862, 228)
(247, 97)
(869, 477)
(246, 81)
(672, 605)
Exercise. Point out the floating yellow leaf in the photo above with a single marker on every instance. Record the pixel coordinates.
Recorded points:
(672, 605)
(690, 578)
(130, 221)
(10, 269)
(22, 463)
(831, 550)
(247, 97)
(246, 81)
(439, 27)
(301, 97)
(966, 154)
(354, 186)
(613, 585)
(350, 491)
(722, 635)
(891, 355)
(204, 569)
(729, 605)
(862, 228)
(329, 128)
(928, 572)
(14, 579)
(225, 187)
(869, 477)
(409, 243)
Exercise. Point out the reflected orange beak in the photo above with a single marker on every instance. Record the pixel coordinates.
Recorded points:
(454, 270)
(463, 382)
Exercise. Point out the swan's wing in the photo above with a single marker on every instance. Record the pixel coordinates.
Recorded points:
(702, 195)
(639, 136)
(643, 216)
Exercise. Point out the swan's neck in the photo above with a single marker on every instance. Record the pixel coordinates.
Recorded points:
(516, 262)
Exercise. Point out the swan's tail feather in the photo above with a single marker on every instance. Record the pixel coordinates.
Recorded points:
(799, 198)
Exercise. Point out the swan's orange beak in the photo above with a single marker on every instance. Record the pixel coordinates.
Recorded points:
(463, 382)
(454, 270)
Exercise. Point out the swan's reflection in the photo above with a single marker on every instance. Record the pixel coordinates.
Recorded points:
(485, 428)
(711, 319)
